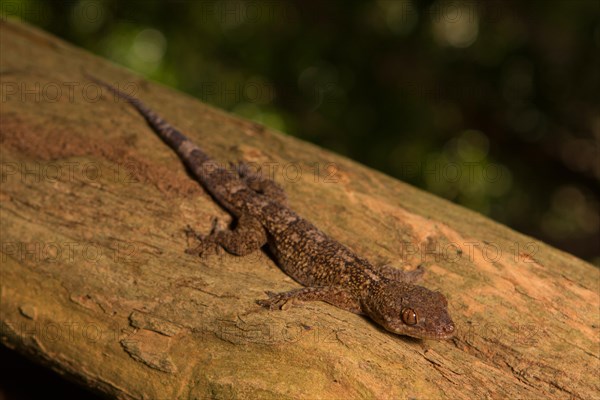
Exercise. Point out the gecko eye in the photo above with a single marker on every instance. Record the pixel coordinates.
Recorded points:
(409, 316)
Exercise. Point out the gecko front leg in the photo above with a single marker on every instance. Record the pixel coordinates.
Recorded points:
(336, 295)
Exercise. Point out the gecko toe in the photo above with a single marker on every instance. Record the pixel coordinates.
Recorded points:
(267, 304)
(275, 301)
(191, 233)
(193, 251)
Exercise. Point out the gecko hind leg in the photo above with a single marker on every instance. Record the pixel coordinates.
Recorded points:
(248, 236)
(335, 295)
(258, 183)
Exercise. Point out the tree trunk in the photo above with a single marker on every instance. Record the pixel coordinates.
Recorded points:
(96, 283)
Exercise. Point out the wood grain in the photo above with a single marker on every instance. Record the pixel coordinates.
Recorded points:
(96, 285)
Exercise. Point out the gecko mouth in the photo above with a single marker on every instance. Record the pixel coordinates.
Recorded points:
(439, 333)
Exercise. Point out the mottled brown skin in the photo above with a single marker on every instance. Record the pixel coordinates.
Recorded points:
(330, 271)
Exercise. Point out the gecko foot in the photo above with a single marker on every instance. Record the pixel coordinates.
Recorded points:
(276, 301)
(258, 182)
(201, 244)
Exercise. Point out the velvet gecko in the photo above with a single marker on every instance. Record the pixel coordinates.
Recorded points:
(330, 271)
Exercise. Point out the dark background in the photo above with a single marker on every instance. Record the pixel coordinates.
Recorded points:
(493, 105)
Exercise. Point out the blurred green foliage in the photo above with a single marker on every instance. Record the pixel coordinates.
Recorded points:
(493, 105)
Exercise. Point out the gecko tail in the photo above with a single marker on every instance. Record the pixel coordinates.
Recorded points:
(167, 132)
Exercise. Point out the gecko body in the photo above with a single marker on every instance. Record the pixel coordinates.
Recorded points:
(330, 271)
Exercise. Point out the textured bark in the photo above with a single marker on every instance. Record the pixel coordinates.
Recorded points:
(96, 284)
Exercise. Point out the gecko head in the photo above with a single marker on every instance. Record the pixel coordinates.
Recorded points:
(409, 310)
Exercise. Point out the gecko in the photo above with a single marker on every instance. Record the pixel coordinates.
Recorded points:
(329, 271)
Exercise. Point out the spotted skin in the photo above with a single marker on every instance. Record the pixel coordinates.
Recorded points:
(330, 271)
